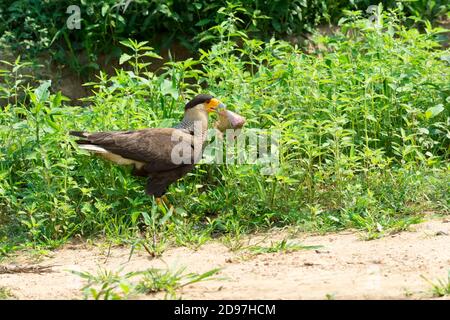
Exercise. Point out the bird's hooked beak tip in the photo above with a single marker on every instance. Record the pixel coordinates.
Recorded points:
(221, 107)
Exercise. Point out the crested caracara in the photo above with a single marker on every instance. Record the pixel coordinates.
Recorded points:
(154, 151)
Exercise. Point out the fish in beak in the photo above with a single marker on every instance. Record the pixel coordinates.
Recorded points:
(228, 120)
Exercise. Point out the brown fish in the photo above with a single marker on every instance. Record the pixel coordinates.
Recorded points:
(229, 120)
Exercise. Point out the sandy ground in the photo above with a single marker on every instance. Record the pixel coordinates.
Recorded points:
(346, 267)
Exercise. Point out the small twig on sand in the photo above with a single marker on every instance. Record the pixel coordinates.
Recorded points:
(25, 269)
(109, 252)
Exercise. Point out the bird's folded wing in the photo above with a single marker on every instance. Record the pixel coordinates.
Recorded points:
(151, 146)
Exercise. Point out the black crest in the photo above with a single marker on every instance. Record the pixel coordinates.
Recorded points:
(201, 98)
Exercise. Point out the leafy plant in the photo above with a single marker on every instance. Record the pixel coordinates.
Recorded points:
(440, 288)
(36, 27)
(6, 293)
(157, 280)
(108, 285)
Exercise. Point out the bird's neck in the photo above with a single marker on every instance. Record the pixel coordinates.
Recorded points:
(194, 121)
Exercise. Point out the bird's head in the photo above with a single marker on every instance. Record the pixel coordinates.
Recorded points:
(204, 103)
(198, 109)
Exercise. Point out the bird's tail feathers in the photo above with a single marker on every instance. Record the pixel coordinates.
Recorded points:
(93, 148)
(80, 134)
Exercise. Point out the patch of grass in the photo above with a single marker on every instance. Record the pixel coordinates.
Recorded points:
(376, 230)
(441, 287)
(281, 246)
(157, 280)
(109, 285)
(233, 241)
(106, 285)
(330, 296)
(5, 293)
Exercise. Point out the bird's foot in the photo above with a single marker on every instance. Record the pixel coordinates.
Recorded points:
(164, 204)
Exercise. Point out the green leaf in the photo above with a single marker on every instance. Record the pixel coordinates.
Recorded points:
(134, 216)
(152, 55)
(42, 92)
(166, 216)
(128, 43)
(147, 218)
(124, 58)
(434, 111)
(168, 89)
(203, 22)
(276, 25)
(105, 9)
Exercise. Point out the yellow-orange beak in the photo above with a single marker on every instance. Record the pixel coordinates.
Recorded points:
(213, 105)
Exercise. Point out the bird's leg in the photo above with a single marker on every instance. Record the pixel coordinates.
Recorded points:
(163, 202)
(167, 203)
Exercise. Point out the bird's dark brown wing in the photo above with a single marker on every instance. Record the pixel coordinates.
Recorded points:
(151, 146)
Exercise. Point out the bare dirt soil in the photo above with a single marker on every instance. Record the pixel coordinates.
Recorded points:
(346, 267)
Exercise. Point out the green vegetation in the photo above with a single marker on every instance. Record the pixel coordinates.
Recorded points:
(35, 27)
(5, 293)
(330, 296)
(281, 246)
(108, 285)
(441, 288)
(365, 140)
(156, 280)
